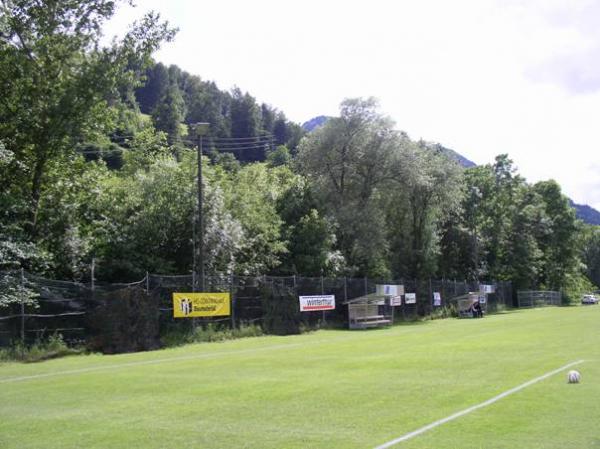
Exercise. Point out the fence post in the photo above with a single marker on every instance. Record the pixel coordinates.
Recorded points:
(322, 293)
(366, 287)
(92, 272)
(194, 291)
(430, 301)
(345, 289)
(22, 308)
(231, 294)
(147, 283)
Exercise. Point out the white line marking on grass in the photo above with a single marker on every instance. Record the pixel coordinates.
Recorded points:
(170, 359)
(149, 362)
(466, 411)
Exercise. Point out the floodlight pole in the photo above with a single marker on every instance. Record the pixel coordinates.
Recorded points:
(201, 130)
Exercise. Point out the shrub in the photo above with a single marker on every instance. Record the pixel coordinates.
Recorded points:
(443, 312)
(209, 333)
(574, 289)
(51, 348)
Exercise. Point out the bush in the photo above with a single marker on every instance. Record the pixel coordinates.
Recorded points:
(444, 312)
(51, 348)
(574, 289)
(209, 333)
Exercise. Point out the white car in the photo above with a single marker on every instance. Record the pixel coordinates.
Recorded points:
(589, 299)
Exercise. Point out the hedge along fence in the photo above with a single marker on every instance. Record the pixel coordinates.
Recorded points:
(132, 317)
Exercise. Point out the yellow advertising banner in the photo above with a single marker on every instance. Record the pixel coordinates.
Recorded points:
(190, 305)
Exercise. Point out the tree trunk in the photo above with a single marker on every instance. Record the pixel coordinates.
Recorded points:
(36, 193)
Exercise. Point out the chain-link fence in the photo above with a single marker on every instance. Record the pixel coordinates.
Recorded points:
(130, 317)
(531, 298)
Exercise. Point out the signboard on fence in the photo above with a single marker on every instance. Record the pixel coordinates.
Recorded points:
(437, 299)
(389, 290)
(396, 301)
(191, 305)
(483, 288)
(318, 302)
(410, 298)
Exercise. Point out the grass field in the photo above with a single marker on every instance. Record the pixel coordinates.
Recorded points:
(327, 389)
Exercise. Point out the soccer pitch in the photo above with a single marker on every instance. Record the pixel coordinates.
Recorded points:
(326, 389)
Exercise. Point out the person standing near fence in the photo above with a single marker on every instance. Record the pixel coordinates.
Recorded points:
(476, 309)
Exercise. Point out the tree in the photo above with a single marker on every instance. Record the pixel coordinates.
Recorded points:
(58, 81)
(148, 221)
(156, 83)
(169, 113)
(310, 237)
(523, 258)
(206, 103)
(245, 123)
(251, 195)
(347, 160)
(591, 253)
(245, 115)
(279, 156)
(560, 242)
(429, 191)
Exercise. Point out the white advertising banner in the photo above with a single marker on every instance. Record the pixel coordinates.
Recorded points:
(319, 302)
(437, 299)
(483, 288)
(410, 298)
(389, 290)
(396, 301)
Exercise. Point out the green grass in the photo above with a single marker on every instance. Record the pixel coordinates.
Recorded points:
(327, 389)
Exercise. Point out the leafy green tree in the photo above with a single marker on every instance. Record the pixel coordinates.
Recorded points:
(310, 237)
(149, 222)
(489, 207)
(16, 251)
(169, 113)
(155, 84)
(348, 160)
(58, 80)
(245, 115)
(68, 224)
(560, 242)
(206, 103)
(279, 156)
(251, 195)
(429, 191)
(591, 253)
(143, 149)
(246, 122)
(267, 118)
(523, 259)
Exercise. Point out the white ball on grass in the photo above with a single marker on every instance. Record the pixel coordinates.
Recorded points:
(574, 377)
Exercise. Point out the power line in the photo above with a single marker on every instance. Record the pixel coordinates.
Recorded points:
(263, 136)
(245, 142)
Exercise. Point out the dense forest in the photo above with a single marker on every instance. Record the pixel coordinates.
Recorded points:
(98, 161)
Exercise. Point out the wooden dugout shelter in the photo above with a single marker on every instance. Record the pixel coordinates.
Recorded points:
(464, 303)
(369, 311)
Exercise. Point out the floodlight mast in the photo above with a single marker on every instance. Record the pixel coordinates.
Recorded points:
(201, 129)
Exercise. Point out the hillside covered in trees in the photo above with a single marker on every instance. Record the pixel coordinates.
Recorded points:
(98, 161)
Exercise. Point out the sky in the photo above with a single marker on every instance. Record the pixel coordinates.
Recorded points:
(483, 77)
